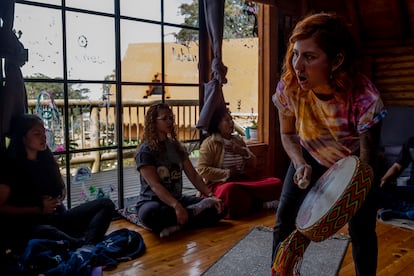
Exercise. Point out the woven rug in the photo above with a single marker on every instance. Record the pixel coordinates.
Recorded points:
(251, 256)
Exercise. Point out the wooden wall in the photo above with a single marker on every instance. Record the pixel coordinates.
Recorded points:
(385, 35)
(385, 32)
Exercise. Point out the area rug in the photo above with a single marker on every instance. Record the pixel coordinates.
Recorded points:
(251, 256)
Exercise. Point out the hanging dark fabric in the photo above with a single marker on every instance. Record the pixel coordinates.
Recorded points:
(13, 97)
(213, 92)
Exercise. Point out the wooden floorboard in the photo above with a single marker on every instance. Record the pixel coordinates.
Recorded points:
(191, 252)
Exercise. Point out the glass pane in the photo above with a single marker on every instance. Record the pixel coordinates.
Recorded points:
(91, 115)
(184, 101)
(40, 31)
(105, 119)
(241, 90)
(181, 57)
(83, 115)
(133, 130)
(186, 113)
(134, 94)
(134, 108)
(54, 2)
(91, 46)
(183, 93)
(141, 51)
(46, 100)
(95, 93)
(142, 9)
(93, 175)
(93, 5)
(174, 14)
(35, 88)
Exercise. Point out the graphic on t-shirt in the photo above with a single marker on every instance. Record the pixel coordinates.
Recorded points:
(171, 178)
(164, 174)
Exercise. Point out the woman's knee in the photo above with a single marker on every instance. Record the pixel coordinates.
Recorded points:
(107, 205)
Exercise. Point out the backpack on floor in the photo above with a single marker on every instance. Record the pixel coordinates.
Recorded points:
(119, 246)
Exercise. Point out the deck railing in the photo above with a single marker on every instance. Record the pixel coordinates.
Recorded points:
(92, 125)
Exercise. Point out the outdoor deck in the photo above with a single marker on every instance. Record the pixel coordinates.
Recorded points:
(108, 182)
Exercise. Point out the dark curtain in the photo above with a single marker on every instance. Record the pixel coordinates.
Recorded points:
(213, 92)
(13, 97)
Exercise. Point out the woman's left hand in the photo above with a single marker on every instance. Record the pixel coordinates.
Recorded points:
(302, 175)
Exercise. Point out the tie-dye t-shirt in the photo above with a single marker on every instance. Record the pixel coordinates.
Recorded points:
(329, 129)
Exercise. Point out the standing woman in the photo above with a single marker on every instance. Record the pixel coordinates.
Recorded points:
(160, 160)
(327, 111)
(32, 193)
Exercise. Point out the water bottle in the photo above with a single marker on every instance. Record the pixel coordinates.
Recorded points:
(247, 133)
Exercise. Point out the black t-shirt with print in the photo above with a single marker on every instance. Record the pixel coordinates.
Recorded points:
(168, 164)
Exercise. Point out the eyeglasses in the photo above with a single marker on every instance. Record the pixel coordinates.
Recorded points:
(166, 117)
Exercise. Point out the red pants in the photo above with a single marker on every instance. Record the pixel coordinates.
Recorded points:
(241, 197)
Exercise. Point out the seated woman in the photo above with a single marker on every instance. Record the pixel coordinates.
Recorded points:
(229, 168)
(404, 159)
(160, 160)
(398, 201)
(32, 193)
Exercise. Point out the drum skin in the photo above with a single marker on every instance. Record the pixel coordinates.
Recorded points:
(348, 200)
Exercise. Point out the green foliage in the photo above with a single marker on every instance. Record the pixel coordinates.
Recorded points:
(56, 89)
(253, 124)
(238, 23)
(190, 13)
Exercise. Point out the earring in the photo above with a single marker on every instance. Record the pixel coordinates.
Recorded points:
(331, 75)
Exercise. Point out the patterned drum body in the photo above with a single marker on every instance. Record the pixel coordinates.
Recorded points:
(334, 199)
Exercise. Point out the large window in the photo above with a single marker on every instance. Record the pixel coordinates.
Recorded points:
(94, 67)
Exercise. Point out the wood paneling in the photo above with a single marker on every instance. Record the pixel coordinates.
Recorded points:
(393, 70)
(385, 33)
(381, 19)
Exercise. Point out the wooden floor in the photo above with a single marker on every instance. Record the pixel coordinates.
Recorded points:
(192, 251)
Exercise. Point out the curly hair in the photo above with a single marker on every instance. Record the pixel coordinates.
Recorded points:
(332, 35)
(150, 127)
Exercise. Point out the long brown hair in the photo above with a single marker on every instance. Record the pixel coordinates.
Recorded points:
(20, 125)
(332, 35)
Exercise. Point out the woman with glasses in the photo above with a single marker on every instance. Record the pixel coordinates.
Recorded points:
(160, 160)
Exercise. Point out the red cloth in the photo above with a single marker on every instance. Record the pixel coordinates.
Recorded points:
(240, 197)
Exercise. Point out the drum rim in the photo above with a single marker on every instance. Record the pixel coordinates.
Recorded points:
(309, 231)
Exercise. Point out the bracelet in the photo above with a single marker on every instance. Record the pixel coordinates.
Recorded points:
(210, 194)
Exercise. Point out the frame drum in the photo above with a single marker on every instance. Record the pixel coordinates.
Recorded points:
(327, 207)
(334, 198)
